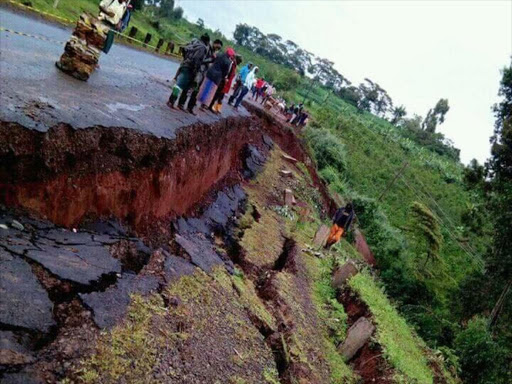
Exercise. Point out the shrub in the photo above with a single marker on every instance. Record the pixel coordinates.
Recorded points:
(482, 359)
(328, 150)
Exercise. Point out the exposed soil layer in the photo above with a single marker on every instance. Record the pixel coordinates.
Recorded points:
(66, 175)
(369, 362)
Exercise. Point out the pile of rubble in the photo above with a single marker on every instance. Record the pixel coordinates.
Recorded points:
(82, 51)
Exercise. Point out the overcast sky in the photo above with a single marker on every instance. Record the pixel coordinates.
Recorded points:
(419, 51)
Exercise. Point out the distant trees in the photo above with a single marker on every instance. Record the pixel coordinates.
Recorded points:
(398, 114)
(289, 54)
(426, 225)
(373, 98)
(200, 23)
(436, 116)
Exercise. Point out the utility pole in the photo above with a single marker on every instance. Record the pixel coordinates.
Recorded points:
(390, 184)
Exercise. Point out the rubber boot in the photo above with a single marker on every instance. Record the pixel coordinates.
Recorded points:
(174, 96)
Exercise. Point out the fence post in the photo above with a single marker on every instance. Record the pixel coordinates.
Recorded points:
(133, 32)
(159, 44)
(147, 39)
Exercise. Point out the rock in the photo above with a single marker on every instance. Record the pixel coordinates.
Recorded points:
(254, 161)
(201, 251)
(23, 301)
(176, 267)
(289, 158)
(357, 336)
(17, 225)
(111, 306)
(269, 143)
(363, 248)
(27, 376)
(286, 173)
(12, 352)
(321, 236)
(343, 273)
(289, 199)
(82, 264)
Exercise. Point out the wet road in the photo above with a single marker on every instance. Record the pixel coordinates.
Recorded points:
(128, 90)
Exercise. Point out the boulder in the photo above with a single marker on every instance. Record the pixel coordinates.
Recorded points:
(289, 199)
(23, 301)
(357, 336)
(343, 273)
(363, 248)
(321, 236)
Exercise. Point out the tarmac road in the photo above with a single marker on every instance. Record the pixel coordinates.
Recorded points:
(129, 89)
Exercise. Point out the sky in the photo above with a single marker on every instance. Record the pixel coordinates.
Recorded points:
(418, 51)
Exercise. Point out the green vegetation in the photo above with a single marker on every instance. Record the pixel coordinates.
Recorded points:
(402, 349)
(440, 232)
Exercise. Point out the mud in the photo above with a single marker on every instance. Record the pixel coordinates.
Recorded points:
(68, 175)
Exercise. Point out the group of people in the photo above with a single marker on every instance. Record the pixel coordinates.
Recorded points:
(205, 76)
(297, 115)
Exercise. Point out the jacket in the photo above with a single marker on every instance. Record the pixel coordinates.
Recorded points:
(195, 53)
(219, 69)
(251, 78)
(343, 218)
(244, 72)
(229, 80)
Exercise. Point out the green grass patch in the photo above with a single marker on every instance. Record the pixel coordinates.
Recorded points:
(402, 348)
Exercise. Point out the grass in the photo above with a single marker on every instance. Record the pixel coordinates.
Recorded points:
(402, 348)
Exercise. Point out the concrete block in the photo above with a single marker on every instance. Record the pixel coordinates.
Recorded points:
(343, 273)
(321, 236)
(357, 336)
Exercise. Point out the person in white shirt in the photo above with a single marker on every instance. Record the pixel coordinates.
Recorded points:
(111, 13)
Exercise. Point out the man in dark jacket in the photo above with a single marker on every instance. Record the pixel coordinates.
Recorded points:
(218, 71)
(341, 224)
(194, 54)
(199, 77)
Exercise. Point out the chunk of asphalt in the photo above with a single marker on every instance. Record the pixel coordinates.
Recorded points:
(269, 143)
(65, 237)
(254, 161)
(81, 264)
(23, 301)
(16, 241)
(111, 306)
(23, 377)
(12, 352)
(201, 251)
(176, 267)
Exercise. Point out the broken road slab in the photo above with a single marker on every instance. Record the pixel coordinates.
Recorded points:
(23, 301)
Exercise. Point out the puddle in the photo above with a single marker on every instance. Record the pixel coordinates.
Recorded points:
(117, 106)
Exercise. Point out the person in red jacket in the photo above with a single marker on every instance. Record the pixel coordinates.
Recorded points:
(257, 88)
(225, 86)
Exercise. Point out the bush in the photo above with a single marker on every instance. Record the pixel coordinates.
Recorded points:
(328, 149)
(333, 179)
(482, 359)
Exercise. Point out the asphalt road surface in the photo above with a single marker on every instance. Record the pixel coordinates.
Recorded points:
(130, 89)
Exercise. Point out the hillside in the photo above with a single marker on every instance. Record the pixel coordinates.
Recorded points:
(243, 295)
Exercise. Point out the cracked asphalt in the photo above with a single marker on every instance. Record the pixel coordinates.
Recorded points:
(129, 89)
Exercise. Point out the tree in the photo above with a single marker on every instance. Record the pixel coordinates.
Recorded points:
(200, 23)
(166, 8)
(398, 115)
(436, 116)
(426, 224)
(499, 265)
(374, 98)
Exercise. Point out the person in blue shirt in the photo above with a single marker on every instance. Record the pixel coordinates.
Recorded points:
(240, 81)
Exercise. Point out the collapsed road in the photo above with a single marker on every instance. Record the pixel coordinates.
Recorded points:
(106, 193)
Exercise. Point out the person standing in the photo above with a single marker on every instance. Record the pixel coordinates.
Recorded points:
(225, 86)
(240, 82)
(248, 83)
(215, 74)
(341, 223)
(199, 78)
(111, 13)
(194, 55)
